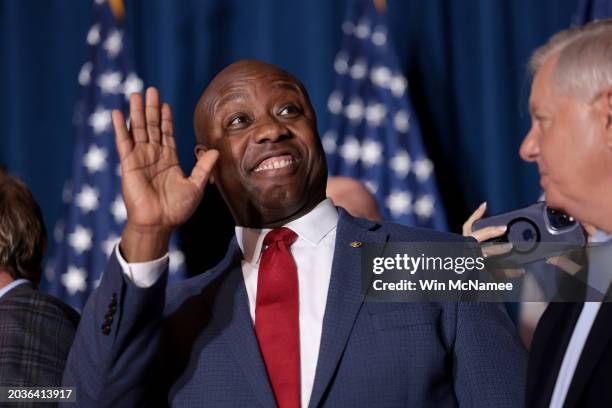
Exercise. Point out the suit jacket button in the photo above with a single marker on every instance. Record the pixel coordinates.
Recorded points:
(106, 329)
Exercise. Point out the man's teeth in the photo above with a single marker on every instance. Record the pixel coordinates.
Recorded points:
(273, 163)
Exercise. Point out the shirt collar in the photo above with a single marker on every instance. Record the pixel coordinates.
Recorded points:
(11, 285)
(311, 227)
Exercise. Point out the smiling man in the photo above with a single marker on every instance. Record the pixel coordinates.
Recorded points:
(281, 321)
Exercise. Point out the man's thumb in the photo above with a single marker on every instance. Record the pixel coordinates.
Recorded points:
(203, 168)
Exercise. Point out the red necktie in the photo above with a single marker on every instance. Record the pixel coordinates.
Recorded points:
(277, 322)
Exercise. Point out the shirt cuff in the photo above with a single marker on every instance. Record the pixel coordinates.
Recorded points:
(142, 274)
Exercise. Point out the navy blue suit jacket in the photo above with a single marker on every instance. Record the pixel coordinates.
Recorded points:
(194, 343)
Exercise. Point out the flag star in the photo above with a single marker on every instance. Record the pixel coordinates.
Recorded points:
(371, 153)
(132, 84)
(359, 69)
(109, 244)
(423, 169)
(402, 121)
(93, 35)
(118, 210)
(87, 199)
(354, 110)
(424, 206)
(110, 82)
(362, 30)
(329, 142)
(400, 163)
(398, 85)
(375, 113)
(85, 73)
(95, 159)
(113, 43)
(100, 120)
(74, 280)
(379, 37)
(347, 27)
(80, 239)
(380, 76)
(334, 103)
(177, 259)
(351, 150)
(399, 202)
(99, 2)
(341, 63)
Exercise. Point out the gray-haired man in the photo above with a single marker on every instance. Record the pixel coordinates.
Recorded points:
(571, 142)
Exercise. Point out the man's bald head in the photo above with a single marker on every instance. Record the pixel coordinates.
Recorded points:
(233, 76)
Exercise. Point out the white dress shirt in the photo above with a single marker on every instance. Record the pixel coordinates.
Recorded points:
(313, 252)
(598, 278)
(11, 285)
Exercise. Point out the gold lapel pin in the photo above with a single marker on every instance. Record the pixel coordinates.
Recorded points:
(356, 244)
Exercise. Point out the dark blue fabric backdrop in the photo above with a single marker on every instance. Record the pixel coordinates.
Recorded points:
(464, 60)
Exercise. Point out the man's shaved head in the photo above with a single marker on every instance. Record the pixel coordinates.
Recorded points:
(271, 166)
(232, 76)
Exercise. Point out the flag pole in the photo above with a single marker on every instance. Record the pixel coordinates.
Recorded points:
(381, 6)
(118, 8)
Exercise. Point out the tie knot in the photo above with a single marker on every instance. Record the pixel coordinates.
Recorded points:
(280, 234)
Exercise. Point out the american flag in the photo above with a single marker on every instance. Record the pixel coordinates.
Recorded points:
(94, 212)
(374, 135)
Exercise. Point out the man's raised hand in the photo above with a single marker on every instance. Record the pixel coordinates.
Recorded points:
(157, 195)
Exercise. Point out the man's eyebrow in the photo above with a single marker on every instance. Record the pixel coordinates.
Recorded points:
(227, 97)
(290, 86)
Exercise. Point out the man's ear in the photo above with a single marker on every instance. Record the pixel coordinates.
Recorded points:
(199, 150)
(606, 114)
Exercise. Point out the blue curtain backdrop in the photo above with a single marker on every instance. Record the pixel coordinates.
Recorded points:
(464, 59)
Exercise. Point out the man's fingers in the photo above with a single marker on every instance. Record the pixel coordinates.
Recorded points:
(510, 273)
(476, 215)
(564, 263)
(203, 167)
(152, 113)
(123, 140)
(488, 233)
(137, 119)
(496, 249)
(167, 127)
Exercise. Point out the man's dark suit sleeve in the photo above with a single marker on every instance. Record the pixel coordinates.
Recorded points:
(490, 360)
(117, 341)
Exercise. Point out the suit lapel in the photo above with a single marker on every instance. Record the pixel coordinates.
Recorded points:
(230, 311)
(344, 299)
(596, 343)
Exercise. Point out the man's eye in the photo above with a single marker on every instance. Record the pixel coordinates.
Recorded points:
(289, 110)
(238, 120)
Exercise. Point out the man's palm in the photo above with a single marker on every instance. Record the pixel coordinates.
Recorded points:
(156, 192)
